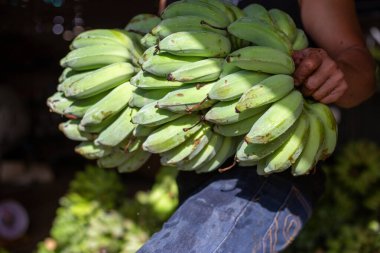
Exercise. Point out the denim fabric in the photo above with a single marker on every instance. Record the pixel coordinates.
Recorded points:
(236, 212)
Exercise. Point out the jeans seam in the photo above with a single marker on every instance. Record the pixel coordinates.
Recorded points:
(275, 218)
(239, 215)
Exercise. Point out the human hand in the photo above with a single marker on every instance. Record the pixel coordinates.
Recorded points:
(317, 75)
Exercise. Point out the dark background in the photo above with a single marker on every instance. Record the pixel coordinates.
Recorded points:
(34, 35)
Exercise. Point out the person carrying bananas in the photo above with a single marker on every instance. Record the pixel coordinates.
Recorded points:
(239, 211)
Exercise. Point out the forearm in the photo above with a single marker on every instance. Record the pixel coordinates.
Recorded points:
(358, 68)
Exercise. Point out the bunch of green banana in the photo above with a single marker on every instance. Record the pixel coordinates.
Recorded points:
(95, 94)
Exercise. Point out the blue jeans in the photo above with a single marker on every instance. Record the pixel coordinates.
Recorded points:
(235, 212)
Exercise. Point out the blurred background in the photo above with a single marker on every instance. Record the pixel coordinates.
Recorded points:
(37, 163)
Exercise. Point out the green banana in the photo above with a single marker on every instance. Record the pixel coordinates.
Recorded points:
(110, 105)
(163, 64)
(119, 130)
(194, 144)
(80, 42)
(143, 23)
(216, 4)
(149, 40)
(255, 152)
(260, 33)
(257, 11)
(262, 59)
(284, 23)
(311, 152)
(58, 103)
(143, 131)
(194, 8)
(97, 128)
(277, 119)
(151, 116)
(71, 130)
(66, 73)
(184, 23)
(267, 91)
(288, 153)
(224, 113)
(203, 44)
(71, 79)
(226, 150)
(135, 144)
(205, 155)
(100, 80)
(206, 70)
(330, 127)
(172, 134)
(238, 128)
(300, 42)
(79, 107)
(191, 98)
(247, 163)
(113, 160)
(228, 69)
(232, 86)
(146, 81)
(136, 160)
(149, 52)
(90, 151)
(237, 12)
(97, 56)
(141, 97)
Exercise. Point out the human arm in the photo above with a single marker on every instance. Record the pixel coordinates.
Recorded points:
(341, 71)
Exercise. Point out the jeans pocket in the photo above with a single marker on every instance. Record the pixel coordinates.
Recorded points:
(287, 223)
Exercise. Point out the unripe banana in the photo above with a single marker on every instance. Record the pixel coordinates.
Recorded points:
(136, 160)
(237, 12)
(288, 153)
(206, 70)
(267, 91)
(184, 23)
(217, 5)
(149, 40)
(58, 103)
(247, 163)
(311, 152)
(151, 116)
(141, 97)
(97, 56)
(111, 104)
(163, 64)
(71, 130)
(182, 8)
(134, 144)
(172, 134)
(149, 52)
(203, 44)
(228, 69)
(226, 150)
(119, 130)
(300, 41)
(238, 128)
(277, 119)
(284, 23)
(97, 128)
(260, 33)
(90, 151)
(232, 86)
(330, 127)
(257, 11)
(113, 160)
(143, 23)
(205, 155)
(224, 113)
(262, 59)
(143, 131)
(194, 144)
(100, 80)
(66, 73)
(192, 97)
(145, 80)
(71, 79)
(80, 42)
(255, 152)
(79, 107)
